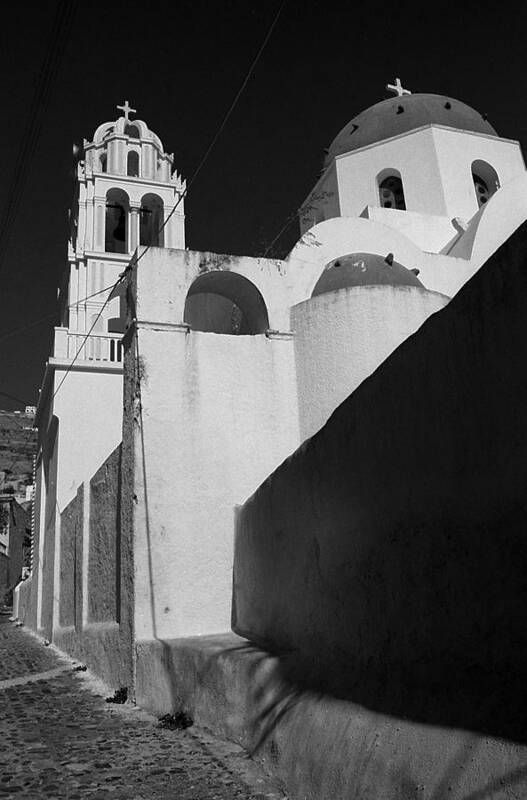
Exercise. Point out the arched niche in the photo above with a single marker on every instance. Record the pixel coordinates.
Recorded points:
(151, 220)
(132, 164)
(103, 159)
(132, 131)
(116, 227)
(225, 302)
(485, 180)
(391, 190)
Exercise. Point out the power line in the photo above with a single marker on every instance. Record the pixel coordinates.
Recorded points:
(134, 261)
(46, 79)
(52, 314)
(94, 323)
(16, 399)
(222, 125)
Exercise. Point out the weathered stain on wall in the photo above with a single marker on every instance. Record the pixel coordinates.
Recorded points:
(95, 606)
(104, 566)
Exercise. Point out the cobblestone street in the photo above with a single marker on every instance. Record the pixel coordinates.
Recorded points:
(60, 739)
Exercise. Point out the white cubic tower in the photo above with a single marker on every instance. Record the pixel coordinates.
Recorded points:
(126, 193)
(423, 164)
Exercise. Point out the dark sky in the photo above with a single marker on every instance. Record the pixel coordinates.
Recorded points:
(180, 64)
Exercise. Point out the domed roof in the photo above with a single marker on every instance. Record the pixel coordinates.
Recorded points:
(364, 269)
(402, 114)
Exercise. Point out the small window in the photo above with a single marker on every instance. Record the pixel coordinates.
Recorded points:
(486, 181)
(103, 162)
(132, 131)
(132, 167)
(482, 190)
(391, 193)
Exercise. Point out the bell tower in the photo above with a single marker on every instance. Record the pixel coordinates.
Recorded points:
(126, 192)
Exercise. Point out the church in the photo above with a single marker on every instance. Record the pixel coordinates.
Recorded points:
(217, 389)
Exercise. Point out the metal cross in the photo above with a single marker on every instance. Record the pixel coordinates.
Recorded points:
(397, 88)
(127, 109)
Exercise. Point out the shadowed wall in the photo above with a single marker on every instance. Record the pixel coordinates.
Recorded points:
(389, 553)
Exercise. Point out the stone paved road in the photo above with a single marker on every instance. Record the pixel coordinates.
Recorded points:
(60, 739)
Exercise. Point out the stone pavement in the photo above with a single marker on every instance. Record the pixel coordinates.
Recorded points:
(60, 739)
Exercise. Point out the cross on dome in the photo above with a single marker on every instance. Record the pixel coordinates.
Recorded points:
(127, 109)
(397, 88)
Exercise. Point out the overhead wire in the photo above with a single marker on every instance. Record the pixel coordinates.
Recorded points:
(57, 40)
(222, 125)
(135, 260)
(23, 328)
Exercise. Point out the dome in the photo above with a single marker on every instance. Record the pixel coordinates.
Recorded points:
(402, 114)
(364, 269)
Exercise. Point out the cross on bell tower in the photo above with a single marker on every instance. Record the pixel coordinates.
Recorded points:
(127, 110)
(397, 88)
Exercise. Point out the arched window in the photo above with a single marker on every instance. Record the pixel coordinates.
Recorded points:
(116, 228)
(151, 220)
(391, 192)
(132, 131)
(132, 164)
(486, 181)
(103, 162)
(225, 302)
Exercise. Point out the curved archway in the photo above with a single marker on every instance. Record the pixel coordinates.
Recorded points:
(151, 220)
(132, 164)
(116, 227)
(391, 191)
(486, 181)
(225, 302)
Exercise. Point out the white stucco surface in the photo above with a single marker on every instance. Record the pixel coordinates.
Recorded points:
(456, 151)
(435, 165)
(218, 414)
(429, 232)
(89, 409)
(343, 336)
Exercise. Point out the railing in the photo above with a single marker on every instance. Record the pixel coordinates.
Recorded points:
(97, 347)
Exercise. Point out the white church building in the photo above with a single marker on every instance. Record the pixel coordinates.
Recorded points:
(230, 363)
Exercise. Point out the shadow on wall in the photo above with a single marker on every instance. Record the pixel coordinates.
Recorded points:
(386, 560)
(296, 691)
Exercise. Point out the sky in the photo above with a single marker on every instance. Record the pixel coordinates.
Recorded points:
(180, 65)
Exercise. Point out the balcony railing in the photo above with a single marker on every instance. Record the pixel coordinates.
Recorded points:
(97, 347)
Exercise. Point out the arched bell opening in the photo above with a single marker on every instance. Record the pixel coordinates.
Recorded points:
(132, 164)
(132, 131)
(116, 227)
(151, 221)
(391, 190)
(225, 302)
(485, 180)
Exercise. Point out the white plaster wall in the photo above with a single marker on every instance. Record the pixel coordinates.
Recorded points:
(430, 233)
(501, 216)
(163, 286)
(412, 154)
(343, 336)
(455, 152)
(89, 409)
(337, 237)
(218, 415)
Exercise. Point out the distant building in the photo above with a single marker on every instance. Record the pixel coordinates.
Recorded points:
(14, 543)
